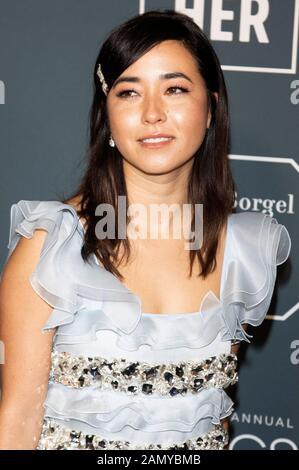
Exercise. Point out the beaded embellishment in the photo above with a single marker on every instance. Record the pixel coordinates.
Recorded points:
(141, 377)
(54, 436)
(102, 79)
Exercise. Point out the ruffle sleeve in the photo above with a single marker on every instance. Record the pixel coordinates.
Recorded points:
(258, 245)
(49, 279)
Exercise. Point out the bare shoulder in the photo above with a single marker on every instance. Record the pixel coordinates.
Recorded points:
(21, 263)
(15, 278)
(26, 253)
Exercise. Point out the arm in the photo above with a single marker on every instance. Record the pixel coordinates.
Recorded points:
(25, 372)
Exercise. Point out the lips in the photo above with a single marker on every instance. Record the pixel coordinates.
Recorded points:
(155, 136)
(152, 144)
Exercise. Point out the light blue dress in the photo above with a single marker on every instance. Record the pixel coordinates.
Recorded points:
(125, 379)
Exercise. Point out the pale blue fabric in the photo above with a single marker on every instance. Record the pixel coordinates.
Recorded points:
(96, 315)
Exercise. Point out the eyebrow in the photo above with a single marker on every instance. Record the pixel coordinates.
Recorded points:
(162, 76)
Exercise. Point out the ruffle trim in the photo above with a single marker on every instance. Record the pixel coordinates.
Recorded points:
(191, 331)
(25, 218)
(86, 298)
(251, 279)
(101, 410)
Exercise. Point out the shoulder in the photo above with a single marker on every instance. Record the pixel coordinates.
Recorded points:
(258, 243)
(30, 219)
(262, 233)
(48, 237)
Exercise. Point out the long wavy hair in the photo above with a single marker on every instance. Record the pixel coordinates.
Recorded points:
(210, 181)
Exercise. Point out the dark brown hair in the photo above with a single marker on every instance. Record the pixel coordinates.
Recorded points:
(210, 181)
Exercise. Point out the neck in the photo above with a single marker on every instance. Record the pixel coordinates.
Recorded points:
(150, 190)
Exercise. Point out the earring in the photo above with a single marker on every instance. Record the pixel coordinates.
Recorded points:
(111, 142)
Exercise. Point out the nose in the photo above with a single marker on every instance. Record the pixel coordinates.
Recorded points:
(153, 110)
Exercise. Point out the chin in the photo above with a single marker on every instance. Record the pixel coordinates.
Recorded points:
(157, 169)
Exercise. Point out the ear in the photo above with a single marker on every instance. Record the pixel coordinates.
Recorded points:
(209, 112)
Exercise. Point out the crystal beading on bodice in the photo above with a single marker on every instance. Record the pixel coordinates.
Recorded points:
(142, 377)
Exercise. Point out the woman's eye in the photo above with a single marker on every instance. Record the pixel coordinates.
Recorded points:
(124, 94)
(182, 89)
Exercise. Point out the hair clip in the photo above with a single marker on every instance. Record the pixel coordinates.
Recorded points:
(102, 79)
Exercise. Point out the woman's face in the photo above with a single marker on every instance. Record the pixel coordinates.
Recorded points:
(176, 106)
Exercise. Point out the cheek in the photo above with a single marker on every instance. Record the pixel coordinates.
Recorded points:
(192, 118)
(124, 124)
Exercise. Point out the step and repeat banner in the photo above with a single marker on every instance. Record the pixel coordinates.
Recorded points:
(47, 52)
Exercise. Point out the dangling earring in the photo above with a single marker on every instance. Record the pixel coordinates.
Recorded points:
(111, 142)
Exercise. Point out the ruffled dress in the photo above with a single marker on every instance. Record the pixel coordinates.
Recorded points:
(121, 378)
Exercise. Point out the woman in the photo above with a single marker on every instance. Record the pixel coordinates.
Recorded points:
(130, 342)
